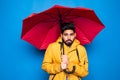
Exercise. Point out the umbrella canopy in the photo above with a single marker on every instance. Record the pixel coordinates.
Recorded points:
(41, 29)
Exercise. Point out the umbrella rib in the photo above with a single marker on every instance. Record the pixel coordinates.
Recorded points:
(78, 17)
(50, 15)
(50, 29)
(47, 20)
(84, 34)
(60, 16)
(75, 16)
(41, 22)
(68, 12)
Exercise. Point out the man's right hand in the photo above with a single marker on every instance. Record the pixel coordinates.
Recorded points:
(64, 59)
(63, 66)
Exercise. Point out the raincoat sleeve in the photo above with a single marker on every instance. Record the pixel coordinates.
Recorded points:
(48, 65)
(81, 68)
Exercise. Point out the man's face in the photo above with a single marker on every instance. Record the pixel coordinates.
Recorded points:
(68, 37)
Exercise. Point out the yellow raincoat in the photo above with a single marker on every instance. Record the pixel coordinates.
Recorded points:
(52, 61)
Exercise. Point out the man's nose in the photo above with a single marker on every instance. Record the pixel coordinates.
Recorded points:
(69, 37)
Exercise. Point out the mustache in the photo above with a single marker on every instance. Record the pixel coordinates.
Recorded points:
(68, 40)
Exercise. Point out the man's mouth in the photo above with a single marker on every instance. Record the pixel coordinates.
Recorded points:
(68, 40)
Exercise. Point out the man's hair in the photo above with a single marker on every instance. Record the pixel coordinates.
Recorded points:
(67, 26)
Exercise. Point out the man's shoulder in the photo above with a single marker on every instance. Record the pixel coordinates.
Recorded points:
(80, 46)
(54, 44)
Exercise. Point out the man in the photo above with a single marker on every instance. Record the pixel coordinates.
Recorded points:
(66, 59)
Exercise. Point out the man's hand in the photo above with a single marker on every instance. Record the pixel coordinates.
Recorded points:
(63, 66)
(64, 61)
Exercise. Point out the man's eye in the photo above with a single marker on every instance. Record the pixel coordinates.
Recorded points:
(65, 34)
(71, 34)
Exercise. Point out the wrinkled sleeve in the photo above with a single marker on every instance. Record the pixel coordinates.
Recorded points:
(48, 65)
(81, 69)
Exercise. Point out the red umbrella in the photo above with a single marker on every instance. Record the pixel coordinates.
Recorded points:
(41, 29)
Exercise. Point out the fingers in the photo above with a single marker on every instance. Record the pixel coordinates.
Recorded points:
(64, 59)
(64, 62)
(63, 66)
(64, 56)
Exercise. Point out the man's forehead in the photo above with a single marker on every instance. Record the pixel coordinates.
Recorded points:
(68, 31)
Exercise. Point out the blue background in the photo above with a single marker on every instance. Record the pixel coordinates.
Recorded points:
(20, 60)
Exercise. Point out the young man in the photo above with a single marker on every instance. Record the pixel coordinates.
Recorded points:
(66, 59)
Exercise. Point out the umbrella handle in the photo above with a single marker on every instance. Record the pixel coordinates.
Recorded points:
(70, 72)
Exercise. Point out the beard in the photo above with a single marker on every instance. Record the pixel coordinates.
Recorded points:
(68, 42)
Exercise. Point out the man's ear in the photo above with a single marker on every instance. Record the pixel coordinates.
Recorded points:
(75, 34)
(61, 35)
